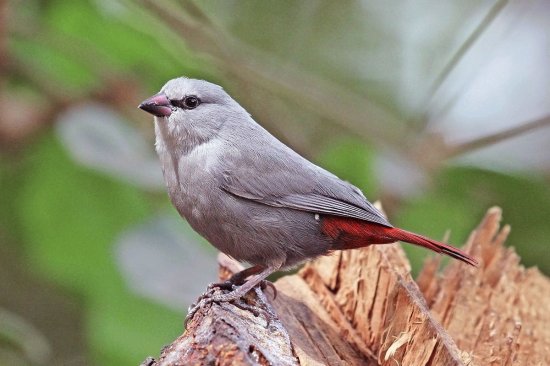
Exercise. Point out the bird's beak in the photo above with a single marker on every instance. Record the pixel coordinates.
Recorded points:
(158, 105)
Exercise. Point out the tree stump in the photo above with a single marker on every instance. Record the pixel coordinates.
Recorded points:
(362, 307)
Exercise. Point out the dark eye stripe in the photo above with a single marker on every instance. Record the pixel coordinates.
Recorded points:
(188, 102)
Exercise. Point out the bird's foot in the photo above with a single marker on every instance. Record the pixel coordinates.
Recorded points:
(194, 308)
(214, 293)
(265, 284)
(207, 297)
(239, 291)
(257, 307)
(225, 285)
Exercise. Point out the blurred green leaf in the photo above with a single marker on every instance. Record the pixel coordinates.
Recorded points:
(10, 181)
(352, 160)
(99, 138)
(459, 200)
(72, 211)
(23, 340)
(70, 218)
(375, 59)
(47, 63)
(156, 255)
(118, 35)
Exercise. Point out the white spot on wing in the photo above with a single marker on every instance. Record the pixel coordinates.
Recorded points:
(195, 212)
(316, 217)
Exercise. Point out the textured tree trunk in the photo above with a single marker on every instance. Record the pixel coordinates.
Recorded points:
(362, 307)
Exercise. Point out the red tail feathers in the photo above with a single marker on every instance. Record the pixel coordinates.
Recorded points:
(353, 233)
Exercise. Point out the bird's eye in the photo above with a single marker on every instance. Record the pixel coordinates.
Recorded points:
(190, 102)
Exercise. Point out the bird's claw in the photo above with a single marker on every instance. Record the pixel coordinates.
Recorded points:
(265, 284)
(225, 285)
(214, 293)
(203, 301)
(208, 297)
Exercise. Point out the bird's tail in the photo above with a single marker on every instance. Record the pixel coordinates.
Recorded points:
(436, 246)
(352, 233)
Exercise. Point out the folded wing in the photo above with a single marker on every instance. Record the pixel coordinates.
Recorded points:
(306, 188)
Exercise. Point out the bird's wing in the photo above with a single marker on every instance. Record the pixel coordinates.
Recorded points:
(298, 184)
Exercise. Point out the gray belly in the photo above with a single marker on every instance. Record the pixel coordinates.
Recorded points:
(255, 233)
(244, 229)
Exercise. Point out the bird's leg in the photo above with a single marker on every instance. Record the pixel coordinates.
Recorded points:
(259, 274)
(239, 277)
(255, 280)
(235, 280)
(252, 282)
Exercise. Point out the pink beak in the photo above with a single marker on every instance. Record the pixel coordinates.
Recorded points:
(158, 105)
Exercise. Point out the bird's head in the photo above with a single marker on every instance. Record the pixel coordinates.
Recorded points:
(190, 111)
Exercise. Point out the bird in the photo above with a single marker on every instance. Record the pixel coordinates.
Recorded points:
(253, 197)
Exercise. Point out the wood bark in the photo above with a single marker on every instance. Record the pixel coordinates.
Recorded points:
(362, 307)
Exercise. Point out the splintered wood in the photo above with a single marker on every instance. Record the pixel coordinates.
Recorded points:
(362, 307)
(498, 313)
(244, 332)
(376, 307)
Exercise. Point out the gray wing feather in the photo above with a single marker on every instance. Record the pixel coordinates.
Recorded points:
(331, 206)
(267, 171)
(322, 194)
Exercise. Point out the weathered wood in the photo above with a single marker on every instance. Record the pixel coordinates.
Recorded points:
(375, 303)
(316, 337)
(498, 313)
(362, 307)
(244, 332)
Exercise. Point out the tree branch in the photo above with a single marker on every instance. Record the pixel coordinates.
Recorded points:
(461, 51)
(484, 141)
(345, 109)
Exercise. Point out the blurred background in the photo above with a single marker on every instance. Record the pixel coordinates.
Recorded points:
(440, 109)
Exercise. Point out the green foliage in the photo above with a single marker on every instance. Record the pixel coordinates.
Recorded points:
(10, 180)
(461, 196)
(70, 217)
(352, 160)
(82, 42)
(70, 74)
(458, 200)
(67, 217)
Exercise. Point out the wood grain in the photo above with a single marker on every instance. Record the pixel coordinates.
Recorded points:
(362, 307)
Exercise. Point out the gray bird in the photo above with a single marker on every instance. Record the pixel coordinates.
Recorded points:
(253, 197)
